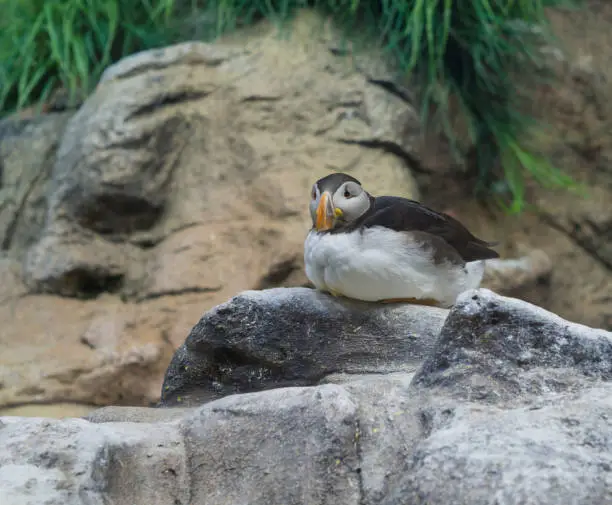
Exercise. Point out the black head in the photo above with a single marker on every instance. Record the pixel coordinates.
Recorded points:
(333, 181)
(337, 199)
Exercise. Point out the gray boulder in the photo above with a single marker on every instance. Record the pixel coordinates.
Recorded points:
(73, 461)
(511, 405)
(295, 337)
(520, 348)
(516, 408)
(555, 449)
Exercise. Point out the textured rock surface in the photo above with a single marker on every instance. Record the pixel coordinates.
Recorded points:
(27, 154)
(529, 351)
(512, 404)
(306, 433)
(297, 337)
(554, 452)
(201, 135)
(81, 351)
(73, 461)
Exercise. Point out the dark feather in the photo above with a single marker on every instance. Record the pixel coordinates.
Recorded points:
(404, 215)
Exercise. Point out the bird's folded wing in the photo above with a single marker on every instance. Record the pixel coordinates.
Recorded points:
(404, 215)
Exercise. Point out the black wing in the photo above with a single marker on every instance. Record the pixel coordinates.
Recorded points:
(402, 214)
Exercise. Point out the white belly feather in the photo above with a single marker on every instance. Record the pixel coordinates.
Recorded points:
(378, 263)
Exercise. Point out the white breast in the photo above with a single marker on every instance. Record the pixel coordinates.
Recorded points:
(377, 264)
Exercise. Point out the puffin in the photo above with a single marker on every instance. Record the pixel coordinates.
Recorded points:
(388, 249)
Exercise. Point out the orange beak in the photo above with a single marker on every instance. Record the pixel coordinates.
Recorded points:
(325, 213)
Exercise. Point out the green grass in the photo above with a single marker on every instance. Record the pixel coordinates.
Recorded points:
(47, 44)
(479, 55)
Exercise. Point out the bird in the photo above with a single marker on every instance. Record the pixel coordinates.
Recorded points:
(388, 249)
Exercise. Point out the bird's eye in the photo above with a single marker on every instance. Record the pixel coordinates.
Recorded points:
(351, 190)
(314, 193)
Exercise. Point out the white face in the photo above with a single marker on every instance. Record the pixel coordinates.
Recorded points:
(348, 203)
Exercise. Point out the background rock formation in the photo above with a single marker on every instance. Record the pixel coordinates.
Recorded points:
(183, 180)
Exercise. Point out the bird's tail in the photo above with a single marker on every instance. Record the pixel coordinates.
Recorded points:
(480, 250)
